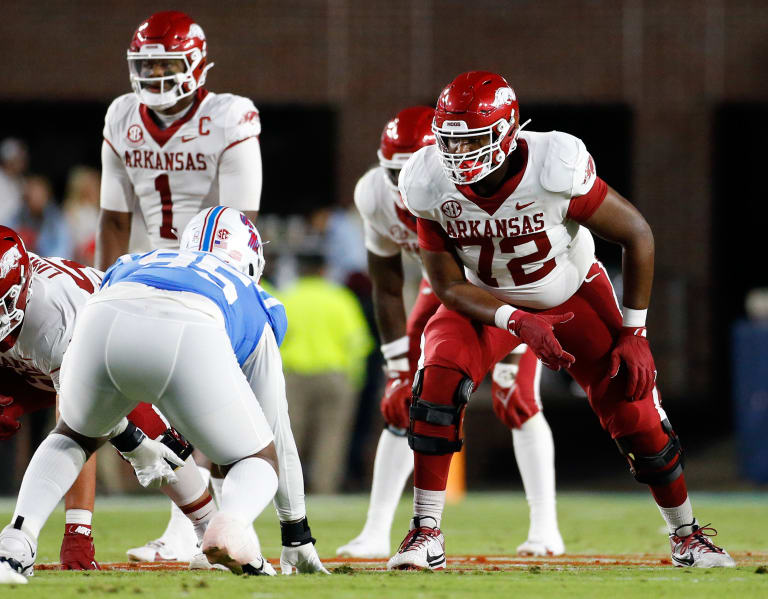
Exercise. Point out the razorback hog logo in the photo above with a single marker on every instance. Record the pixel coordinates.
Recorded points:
(503, 96)
(590, 170)
(250, 117)
(451, 208)
(9, 261)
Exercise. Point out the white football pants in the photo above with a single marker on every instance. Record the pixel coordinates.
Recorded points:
(157, 350)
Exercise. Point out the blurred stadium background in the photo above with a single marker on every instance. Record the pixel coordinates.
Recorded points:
(671, 97)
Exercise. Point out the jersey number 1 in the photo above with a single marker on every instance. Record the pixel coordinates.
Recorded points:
(163, 187)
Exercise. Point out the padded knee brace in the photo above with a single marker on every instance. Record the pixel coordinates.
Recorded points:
(661, 468)
(445, 420)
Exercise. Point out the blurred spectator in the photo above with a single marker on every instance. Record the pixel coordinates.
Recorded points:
(41, 223)
(342, 236)
(324, 355)
(81, 209)
(14, 160)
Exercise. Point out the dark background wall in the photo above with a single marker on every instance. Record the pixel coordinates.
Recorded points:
(657, 89)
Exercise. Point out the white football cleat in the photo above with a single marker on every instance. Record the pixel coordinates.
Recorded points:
(366, 547)
(695, 550)
(10, 576)
(542, 548)
(231, 543)
(200, 562)
(164, 549)
(423, 548)
(17, 555)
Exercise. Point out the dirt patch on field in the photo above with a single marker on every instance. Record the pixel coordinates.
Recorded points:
(469, 562)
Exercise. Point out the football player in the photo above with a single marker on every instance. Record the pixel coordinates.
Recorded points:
(40, 299)
(186, 301)
(505, 223)
(390, 231)
(170, 149)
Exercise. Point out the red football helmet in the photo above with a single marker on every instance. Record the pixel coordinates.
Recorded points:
(167, 59)
(15, 276)
(410, 130)
(477, 121)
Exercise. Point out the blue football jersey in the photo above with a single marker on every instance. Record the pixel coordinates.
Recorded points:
(246, 307)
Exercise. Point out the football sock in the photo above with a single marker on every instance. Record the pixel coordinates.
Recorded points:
(430, 472)
(428, 504)
(248, 487)
(535, 455)
(680, 516)
(391, 469)
(50, 474)
(200, 514)
(189, 485)
(78, 516)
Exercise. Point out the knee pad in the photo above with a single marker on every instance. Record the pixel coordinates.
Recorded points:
(660, 468)
(443, 421)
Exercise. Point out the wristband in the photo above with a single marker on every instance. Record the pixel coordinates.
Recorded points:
(632, 317)
(398, 365)
(394, 348)
(502, 316)
(129, 439)
(295, 534)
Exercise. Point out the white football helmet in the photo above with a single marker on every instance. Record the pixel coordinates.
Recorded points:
(230, 236)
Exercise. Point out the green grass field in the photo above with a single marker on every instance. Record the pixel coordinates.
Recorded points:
(615, 544)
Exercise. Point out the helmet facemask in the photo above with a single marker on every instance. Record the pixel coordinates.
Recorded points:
(488, 148)
(173, 86)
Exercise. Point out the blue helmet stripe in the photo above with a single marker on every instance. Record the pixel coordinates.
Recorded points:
(208, 226)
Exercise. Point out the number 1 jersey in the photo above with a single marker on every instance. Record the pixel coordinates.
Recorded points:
(524, 244)
(174, 172)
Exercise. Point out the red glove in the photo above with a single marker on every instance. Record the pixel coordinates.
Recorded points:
(77, 550)
(396, 399)
(10, 413)
(535, 330)
(633, 349)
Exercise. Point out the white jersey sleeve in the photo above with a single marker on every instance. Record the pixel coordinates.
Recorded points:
(376, 241)
(240, 175)
(116, 188)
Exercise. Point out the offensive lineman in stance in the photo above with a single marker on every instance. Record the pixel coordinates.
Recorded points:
(172, 148)
(187, 301)
(504, 221)
(390, 230)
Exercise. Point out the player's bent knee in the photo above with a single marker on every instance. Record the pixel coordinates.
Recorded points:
(660, 468)
(435, 428)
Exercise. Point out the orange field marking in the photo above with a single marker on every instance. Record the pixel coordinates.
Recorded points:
(468, 562)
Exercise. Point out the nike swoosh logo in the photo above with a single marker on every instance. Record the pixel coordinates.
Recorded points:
(434, 560)
(592, 278)
(521, 206)
(186, 138)
(31, 551)
(685, 561)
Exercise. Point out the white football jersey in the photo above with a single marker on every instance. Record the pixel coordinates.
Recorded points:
(520, 245)
(388, 227)
(58, 290)
(174, 172)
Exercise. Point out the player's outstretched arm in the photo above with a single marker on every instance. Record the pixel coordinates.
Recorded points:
(619, 221)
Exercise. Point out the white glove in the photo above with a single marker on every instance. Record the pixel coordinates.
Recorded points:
(149, 463)
(303, 558)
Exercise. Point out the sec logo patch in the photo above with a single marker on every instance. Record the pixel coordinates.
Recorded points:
(451, 208)
(135, 135)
